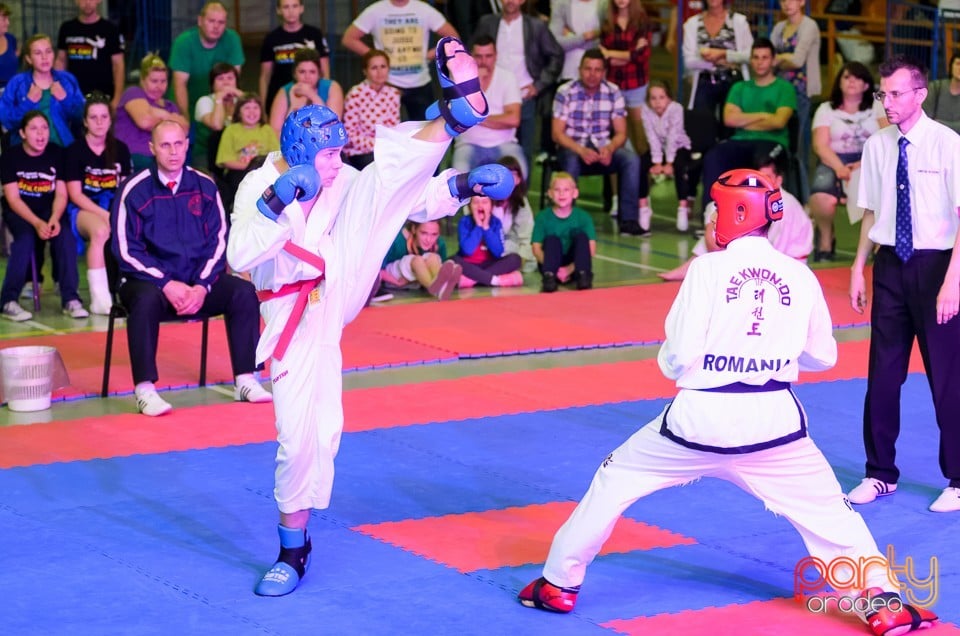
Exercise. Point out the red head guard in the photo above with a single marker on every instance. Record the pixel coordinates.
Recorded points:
(746, 201)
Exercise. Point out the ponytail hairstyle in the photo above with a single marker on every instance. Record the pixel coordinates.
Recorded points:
(110, 149)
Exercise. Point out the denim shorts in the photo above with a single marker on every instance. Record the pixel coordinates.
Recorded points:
(635, 97)
(825, 179)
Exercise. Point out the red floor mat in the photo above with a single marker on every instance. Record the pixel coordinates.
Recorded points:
(421, 333)
(567, 320)
(178, 358)
(779, 617)
(510, 537)
(365, 409)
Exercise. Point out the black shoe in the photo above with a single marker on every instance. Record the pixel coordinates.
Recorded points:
(825, 255)
(550, 284)
(584, 279)
(633, 229)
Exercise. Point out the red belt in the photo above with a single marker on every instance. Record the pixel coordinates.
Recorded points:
(301, 288)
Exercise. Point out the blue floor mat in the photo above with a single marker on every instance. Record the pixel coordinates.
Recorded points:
(174, 543)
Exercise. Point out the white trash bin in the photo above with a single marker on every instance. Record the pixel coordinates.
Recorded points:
(27, 377)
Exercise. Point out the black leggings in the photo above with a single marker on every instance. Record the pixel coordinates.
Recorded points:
(485, 272)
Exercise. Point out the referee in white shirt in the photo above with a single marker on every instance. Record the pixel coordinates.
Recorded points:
(910, 192)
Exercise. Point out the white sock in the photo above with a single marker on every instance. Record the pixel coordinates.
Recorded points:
(495, 281)
(245, 378)
(143, 387)
(99, 287)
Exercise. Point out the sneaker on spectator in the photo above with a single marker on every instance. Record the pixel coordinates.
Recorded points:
(249, 390)
(27, 291)
(513, 279)
(150, 403)
(683, 219)
(381, 297)
(74, 309)
(614, 205)
(948, 501)
(632, 228)
(584, 280)
(446, 281)
(869, 489)
(550, 283)
(13, 311)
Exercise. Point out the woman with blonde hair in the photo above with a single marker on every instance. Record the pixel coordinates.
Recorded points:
(142, 107)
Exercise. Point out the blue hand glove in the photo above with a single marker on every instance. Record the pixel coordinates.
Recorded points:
(299, 182)
(491, 180)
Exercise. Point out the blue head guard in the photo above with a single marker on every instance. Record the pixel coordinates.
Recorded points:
(308, 130)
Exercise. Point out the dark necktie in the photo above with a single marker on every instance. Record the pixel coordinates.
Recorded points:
(904, 246)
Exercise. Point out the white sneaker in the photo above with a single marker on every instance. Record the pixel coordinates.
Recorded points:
(948, 501)
(614, 205)
(150, 403)
(869, 489)
(27, 291)
(251, 391)
(74, 309)
(13, 311)
(646, 217)
(683, 219)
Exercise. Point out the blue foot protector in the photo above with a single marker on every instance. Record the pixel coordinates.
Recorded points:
(453, 106)
(291, 565)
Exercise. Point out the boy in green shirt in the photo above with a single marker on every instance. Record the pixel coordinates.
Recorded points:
(564, 239)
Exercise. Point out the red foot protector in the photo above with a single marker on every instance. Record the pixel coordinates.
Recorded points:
(888, 615)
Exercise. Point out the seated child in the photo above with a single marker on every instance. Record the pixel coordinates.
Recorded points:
(481, 252)
(792, 235)
(244, 145)
(670, 147)
(419, 256)
(516, 216)
(564, 238)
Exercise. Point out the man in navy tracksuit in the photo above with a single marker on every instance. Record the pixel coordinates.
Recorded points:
(169, 235)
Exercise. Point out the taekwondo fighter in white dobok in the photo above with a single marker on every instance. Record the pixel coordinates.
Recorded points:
(746, 319)
(313, 232)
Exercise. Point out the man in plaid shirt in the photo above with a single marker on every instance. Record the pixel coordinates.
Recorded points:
(590, 129)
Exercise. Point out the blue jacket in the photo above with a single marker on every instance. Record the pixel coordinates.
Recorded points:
(159, 235)
(14, 105)
(471, 234)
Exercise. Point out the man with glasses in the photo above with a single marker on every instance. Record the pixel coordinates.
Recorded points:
(910, 195)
